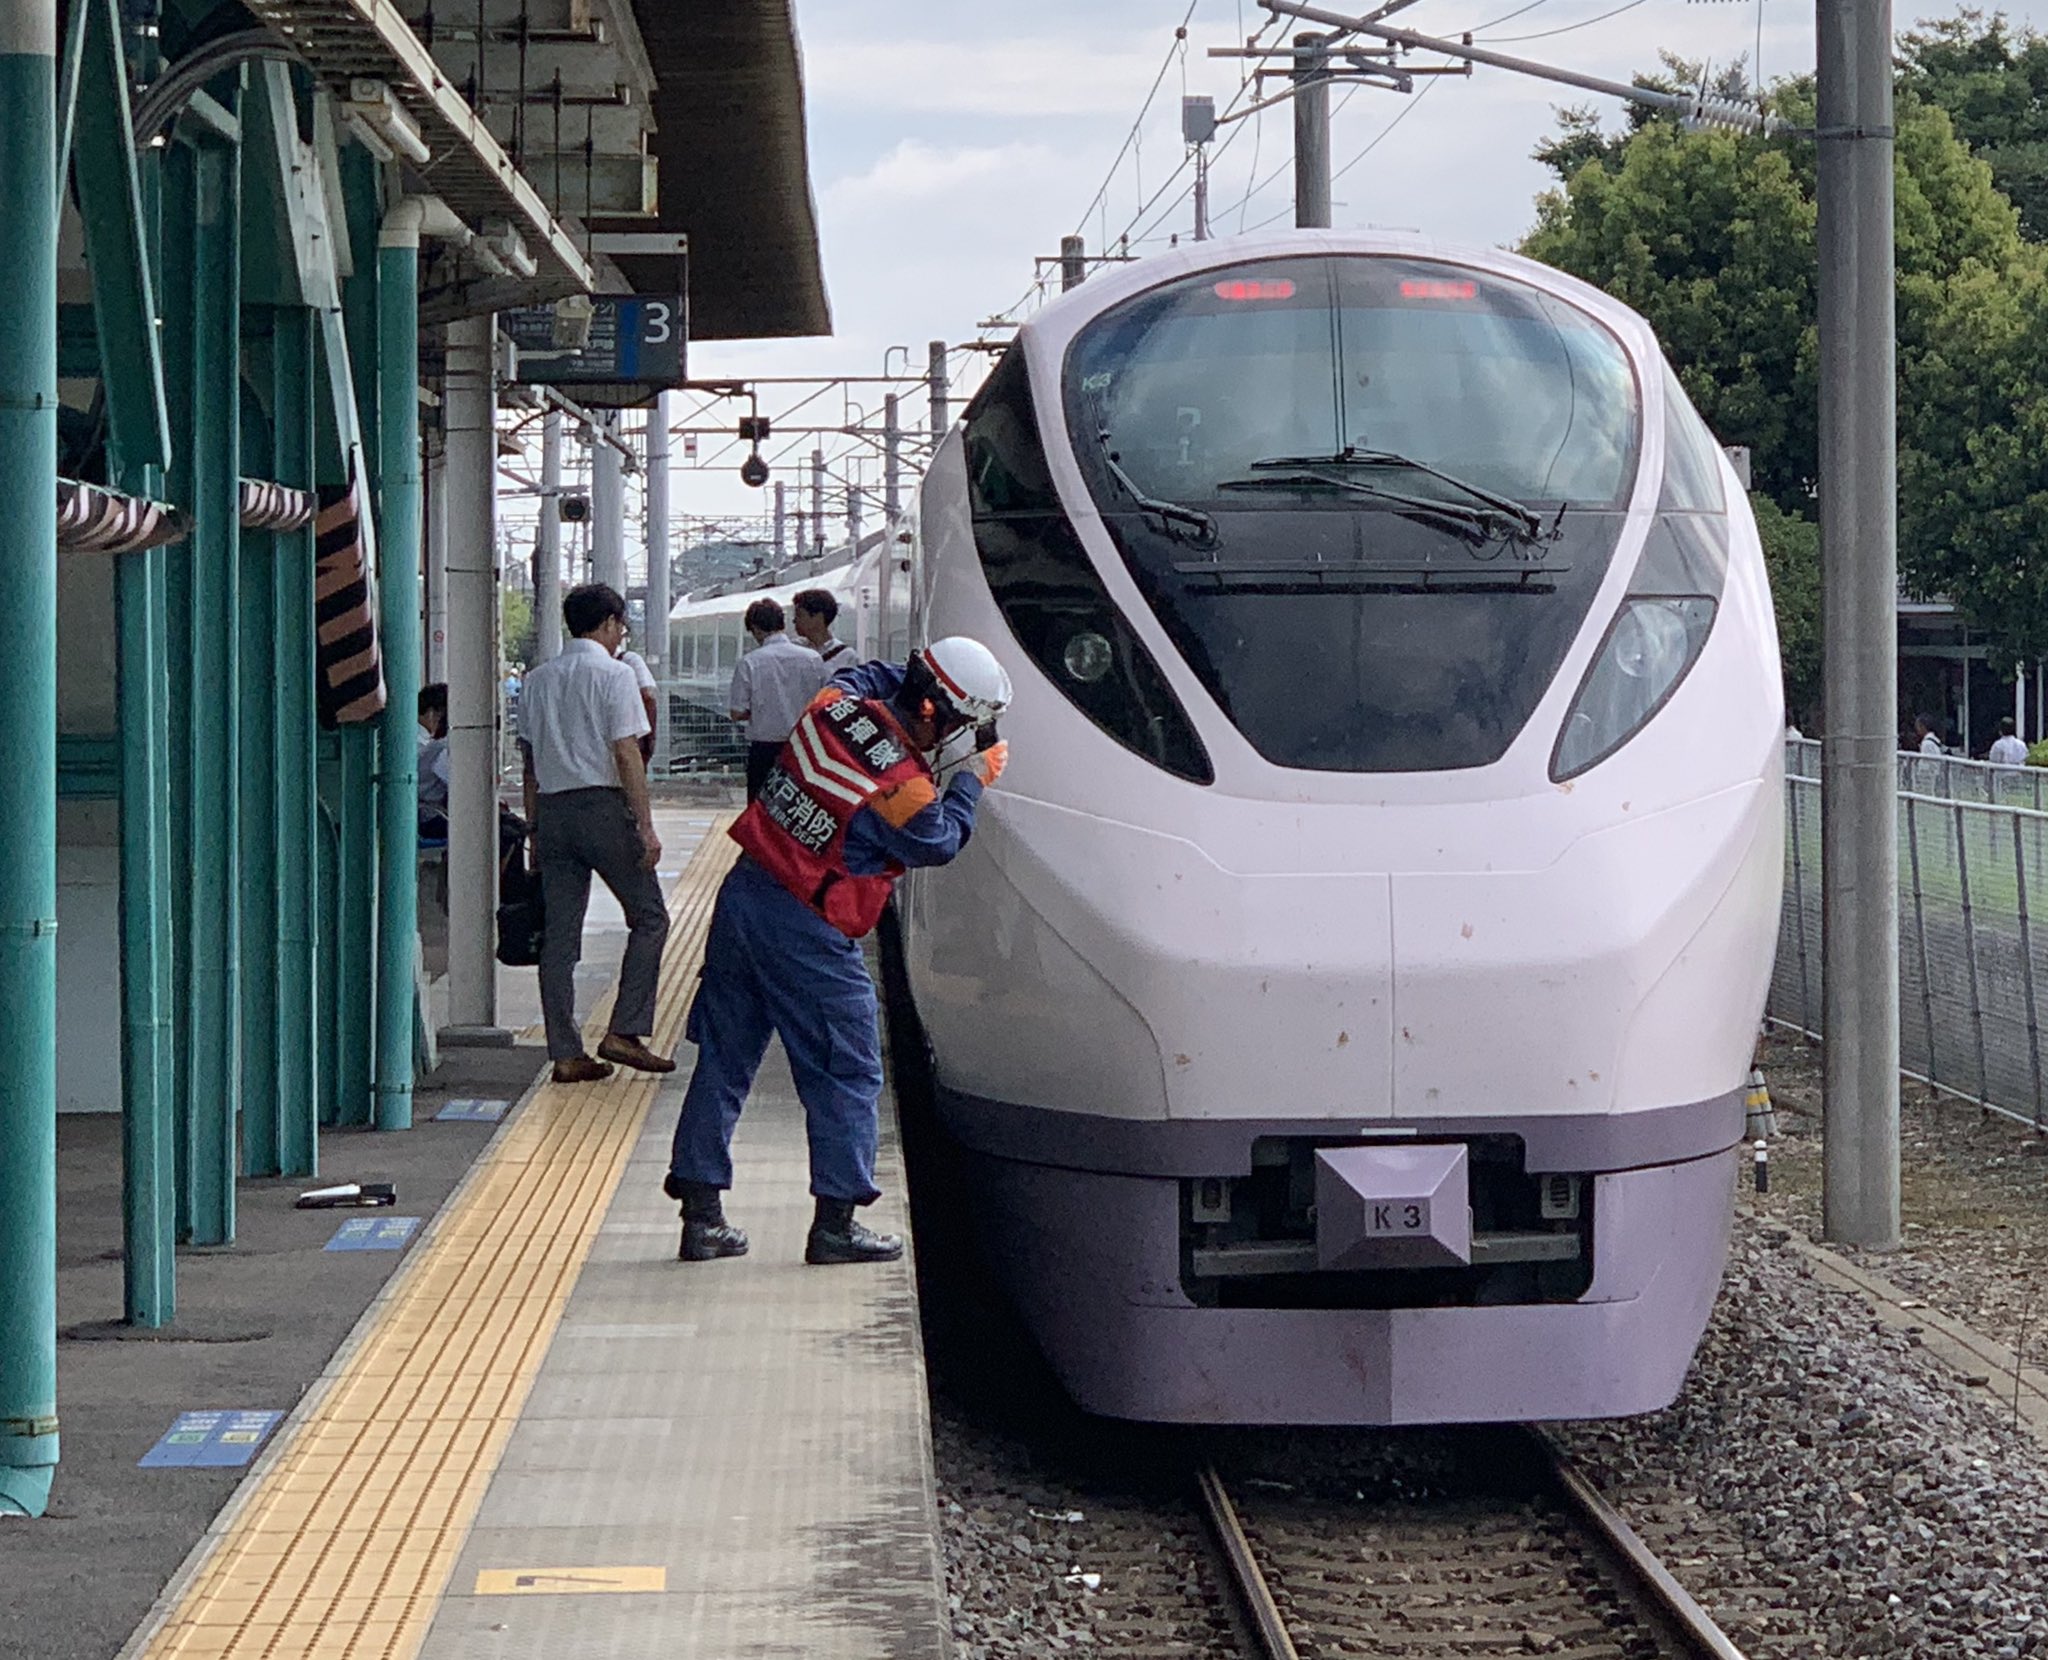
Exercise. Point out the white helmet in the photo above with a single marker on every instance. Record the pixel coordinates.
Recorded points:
(966, 684)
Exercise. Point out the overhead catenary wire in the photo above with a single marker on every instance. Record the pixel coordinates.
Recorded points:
(1565, 29)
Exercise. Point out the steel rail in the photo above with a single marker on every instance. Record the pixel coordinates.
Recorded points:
(1254, 1596)
(1690, 1622)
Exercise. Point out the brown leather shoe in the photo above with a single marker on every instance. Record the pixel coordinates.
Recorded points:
(630, 1051)
(581, 1070)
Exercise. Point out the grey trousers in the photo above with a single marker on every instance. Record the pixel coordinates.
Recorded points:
(580, 831)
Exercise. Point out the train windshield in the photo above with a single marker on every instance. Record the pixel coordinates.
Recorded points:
(1370, 498)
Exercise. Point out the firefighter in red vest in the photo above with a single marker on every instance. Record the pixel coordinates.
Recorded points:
(854, 800)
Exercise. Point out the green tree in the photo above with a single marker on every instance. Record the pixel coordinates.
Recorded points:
(1792, 556)
(1994, 85)
(516, 636)
(1711, 237)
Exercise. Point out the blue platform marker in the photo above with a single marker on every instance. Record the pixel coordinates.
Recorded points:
(210, 1441)
(470, 1111)
(373, 1233)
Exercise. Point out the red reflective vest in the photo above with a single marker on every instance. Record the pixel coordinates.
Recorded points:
(846, 753)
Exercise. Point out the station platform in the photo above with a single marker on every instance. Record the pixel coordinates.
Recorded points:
(548, 1437)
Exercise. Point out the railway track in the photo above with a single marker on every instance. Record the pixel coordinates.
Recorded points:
(1524, 1557)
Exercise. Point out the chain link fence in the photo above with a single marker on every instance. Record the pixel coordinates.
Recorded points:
(1973, 906)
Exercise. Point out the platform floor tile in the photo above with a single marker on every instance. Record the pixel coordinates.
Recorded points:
(340, 1546)
(756, 1428)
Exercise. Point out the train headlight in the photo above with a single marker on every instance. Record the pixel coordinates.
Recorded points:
(1087, 657)
(1654, 641)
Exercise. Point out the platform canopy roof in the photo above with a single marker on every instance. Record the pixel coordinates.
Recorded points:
(573, 121)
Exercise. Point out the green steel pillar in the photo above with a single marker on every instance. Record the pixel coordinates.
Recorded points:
(28, 738)
(398, 586)
(202, 339)
(254, 780)
(296, 733)
(355, 945)
(112, 189)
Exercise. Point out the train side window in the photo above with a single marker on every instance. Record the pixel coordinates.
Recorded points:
(1049, 592)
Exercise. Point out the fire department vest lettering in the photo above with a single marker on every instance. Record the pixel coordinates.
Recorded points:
(844, 754)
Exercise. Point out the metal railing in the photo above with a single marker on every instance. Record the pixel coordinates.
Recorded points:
(1973, 911)
(1944, 777)
(699, 739)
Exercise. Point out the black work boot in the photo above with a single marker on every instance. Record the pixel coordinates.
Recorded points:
(836, 1237)
(707, 1235)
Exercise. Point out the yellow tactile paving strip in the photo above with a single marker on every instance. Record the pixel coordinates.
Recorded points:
(343, 1548)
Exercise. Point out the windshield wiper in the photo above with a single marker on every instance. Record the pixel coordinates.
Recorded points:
(1168, 513)
(1475, 525)
(1352, 457)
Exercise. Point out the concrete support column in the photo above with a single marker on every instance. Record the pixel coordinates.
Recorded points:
(470, 407)
(607, 506)
(437, 568)
(547, 551)
(28, 738)
(655, 647)
(398, 590)
(1859, 624)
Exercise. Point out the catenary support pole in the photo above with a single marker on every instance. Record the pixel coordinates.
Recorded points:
(547, 543)
(1311, 131)
(28, 738)
(892, 519)
(1073, 262)
(655, 647)
(935, 386)
(607, 507)
(781, 524)
(469, 406)
(817, 504)
(398, 598)
(1859, 588)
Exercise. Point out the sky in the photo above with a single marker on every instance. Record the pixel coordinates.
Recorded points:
(952, 142)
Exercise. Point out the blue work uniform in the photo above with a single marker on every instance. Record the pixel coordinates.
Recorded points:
(774, 967)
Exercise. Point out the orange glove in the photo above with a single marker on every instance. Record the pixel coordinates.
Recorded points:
(987, 764)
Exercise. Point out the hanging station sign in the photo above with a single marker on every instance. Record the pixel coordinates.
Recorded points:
(636, 344)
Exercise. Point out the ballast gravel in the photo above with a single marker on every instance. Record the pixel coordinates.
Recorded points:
(1823, 1486)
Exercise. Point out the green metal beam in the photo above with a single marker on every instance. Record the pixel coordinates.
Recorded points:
(88, 766)
(398, 583)
(28, 738)
(116, 247)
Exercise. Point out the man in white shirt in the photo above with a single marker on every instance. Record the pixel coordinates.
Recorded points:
(433, 762)
(815, 611)
(643, 677)
(772, 686)
(580, 725)
(2008, 750)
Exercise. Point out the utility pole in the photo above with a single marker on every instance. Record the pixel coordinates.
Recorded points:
(935, 382)
(1311, 131)
(655, 647)
(781, 524)
(1859, 624)
(547, 542)
(1073, 263)
(818, 504)
(1197, 128)
(892, 516)
(607, 506)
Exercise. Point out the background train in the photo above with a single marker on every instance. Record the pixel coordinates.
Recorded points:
(1346, 1001)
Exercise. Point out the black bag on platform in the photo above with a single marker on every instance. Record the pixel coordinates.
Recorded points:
(522, 918)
